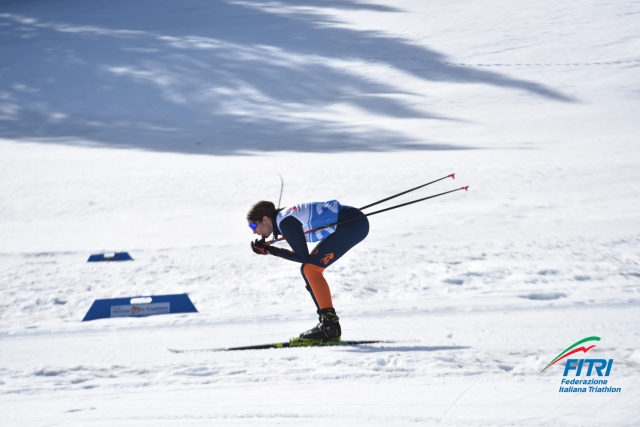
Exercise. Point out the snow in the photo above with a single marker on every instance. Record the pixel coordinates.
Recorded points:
(151, 127)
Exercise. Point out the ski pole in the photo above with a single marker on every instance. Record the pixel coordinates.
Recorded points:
(281, 188)
(380, 211)
(453, 175)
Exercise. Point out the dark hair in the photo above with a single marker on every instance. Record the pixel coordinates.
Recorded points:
(261, 209)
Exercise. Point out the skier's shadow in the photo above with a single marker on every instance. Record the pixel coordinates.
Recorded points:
(405, 348)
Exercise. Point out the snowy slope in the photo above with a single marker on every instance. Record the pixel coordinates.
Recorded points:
(151, 127)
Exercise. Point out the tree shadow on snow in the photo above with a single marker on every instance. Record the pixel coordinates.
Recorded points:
(215, 77)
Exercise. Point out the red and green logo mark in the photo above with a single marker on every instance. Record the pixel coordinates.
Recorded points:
(572, 350)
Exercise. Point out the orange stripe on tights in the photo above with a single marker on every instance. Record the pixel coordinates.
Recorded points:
(319, 285)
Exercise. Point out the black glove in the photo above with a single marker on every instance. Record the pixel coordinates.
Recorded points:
(259, 247)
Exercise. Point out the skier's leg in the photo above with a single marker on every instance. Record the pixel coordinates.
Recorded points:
(318, 285)
(329, 251)
(342, 240)
(324, 254)
(308, 286)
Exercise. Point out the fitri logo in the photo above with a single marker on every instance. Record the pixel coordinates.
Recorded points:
(589, 375)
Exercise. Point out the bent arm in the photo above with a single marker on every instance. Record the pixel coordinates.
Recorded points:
(291, 229)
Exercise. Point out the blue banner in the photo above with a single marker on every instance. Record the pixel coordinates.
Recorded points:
(117, 256)
(129, 306)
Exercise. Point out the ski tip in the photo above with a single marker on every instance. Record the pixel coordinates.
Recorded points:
(465, 188)
(453, 175)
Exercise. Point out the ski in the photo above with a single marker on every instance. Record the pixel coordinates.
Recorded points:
(294, 342)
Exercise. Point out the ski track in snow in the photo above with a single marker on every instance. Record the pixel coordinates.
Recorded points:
(44, 287)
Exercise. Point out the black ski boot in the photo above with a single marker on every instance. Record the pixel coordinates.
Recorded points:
(327, 330)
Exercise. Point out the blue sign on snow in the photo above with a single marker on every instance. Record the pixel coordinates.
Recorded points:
(117, 256)
(140, 306)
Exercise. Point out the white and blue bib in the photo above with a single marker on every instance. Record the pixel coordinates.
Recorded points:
(313, 215)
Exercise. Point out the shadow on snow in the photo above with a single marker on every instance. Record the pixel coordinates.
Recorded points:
(216, 77)
(367, 349)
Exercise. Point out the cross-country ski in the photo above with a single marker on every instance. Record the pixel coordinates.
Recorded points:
(293, 343)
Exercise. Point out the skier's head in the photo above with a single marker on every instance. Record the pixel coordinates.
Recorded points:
(259, 218)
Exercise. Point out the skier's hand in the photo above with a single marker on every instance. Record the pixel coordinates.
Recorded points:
(259, 247)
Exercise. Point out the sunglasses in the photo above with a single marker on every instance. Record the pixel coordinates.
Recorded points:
(254, 225)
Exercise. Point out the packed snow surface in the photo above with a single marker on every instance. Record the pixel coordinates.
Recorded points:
(152, 126)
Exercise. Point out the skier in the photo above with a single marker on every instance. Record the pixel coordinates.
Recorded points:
(292, 222)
